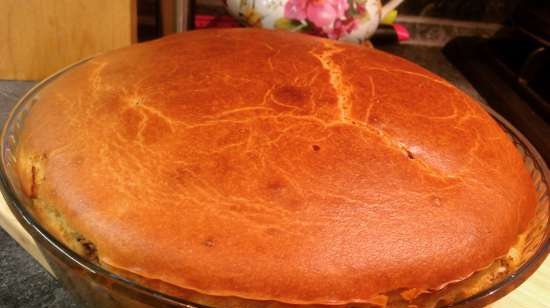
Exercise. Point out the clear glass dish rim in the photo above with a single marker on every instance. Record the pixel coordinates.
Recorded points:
(36, 230)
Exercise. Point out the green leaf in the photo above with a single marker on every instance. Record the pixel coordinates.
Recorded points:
(288, 24)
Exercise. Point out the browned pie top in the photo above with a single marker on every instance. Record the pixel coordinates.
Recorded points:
(272, 165)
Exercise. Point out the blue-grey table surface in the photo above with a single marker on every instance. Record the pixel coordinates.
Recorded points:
(24, 283)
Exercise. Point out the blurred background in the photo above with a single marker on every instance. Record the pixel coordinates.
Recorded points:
(39, 37)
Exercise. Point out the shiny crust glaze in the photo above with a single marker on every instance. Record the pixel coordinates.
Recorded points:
(268, 165)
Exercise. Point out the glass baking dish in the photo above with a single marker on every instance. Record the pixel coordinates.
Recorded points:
(94, 286)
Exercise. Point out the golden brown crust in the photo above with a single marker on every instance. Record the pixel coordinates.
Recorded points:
(268, 165)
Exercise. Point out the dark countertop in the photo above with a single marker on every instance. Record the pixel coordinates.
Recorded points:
(24, 283)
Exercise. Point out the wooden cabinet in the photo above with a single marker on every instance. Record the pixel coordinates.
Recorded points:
(38, 37)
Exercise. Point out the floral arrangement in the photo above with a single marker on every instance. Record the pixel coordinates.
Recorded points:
(330, 18)
(351, 20)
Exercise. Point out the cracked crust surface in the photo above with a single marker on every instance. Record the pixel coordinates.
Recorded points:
(267, 165)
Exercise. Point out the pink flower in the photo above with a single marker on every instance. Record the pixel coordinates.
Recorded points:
(327, 17)
(322, 13)
(341, 28)
(296, 9)
(341, 6)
